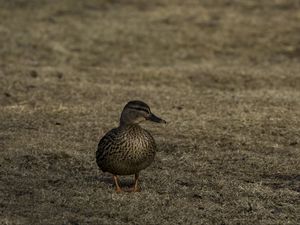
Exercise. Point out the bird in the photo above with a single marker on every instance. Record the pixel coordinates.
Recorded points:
(128, 148)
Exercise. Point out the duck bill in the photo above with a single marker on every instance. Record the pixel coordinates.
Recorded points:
(155, 119)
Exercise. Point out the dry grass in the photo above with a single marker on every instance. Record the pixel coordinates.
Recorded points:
(224, 74)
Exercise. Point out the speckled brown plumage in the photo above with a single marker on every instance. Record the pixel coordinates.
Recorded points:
(126, 150)
(129, 148)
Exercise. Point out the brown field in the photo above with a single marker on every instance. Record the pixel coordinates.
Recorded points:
(225, 74)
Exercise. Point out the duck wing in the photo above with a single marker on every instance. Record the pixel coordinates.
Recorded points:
(106, 144)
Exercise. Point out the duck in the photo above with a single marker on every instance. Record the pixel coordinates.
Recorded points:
(128, 148)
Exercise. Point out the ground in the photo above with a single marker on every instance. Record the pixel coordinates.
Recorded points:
(224, 74)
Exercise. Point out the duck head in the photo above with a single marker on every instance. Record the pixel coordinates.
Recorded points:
(135, 112)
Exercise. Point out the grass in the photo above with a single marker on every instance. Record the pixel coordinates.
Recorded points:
(224, 74)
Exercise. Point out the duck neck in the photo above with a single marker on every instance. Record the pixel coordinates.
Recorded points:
(124, 124)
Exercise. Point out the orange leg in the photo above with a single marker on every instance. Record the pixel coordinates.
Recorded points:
(118, 189)
(136, 187)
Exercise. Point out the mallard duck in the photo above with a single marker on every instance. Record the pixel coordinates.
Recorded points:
(128, 149)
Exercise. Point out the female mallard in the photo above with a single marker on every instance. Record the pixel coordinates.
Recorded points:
(128, 149)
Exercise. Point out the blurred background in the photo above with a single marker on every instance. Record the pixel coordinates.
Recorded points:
(225, 74)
